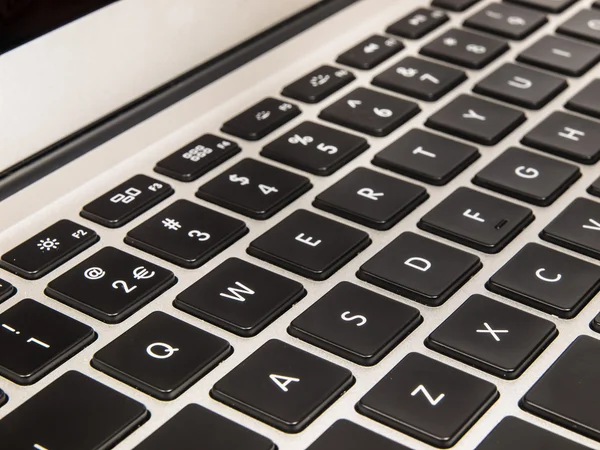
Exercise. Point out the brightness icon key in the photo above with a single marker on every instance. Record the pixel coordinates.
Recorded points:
(48, 249)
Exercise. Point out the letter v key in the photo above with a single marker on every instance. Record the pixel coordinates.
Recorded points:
(427, 395)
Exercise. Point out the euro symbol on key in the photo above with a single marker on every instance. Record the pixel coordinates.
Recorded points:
(141, 273)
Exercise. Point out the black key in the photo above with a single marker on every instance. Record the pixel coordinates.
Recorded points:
(3, 397)
(36, 339)
(454, 5)
(356, 324)
(577, 228)
(521, 86)
(561, 55)
(548, 280)
(309, 245)
(568, 393)
(315, 148)
(428, 400)
(370, 52)
(595, 325)
(551, 6)
(464, 48)
(528, 176)
(595, 5)
(161, 356)
(477, 220)
(254, 189)
(283, 386)
(587, 101)
(186, 234)
(419, 78)
(127, 201)
(261, 119)
(7, 290)
(197, 158)
(583, 25)
(568, 136)
(493, 337)
(516, 433)
(418, 23)
(370, 112)
(195, 425)
(508, 21)
(371, 198)
(420, 269)
(318, 84)
(240, 297)
(111, 285)
(594, 189)
(48, 249)
(73, 413)
(427, 157)
(346, 435)
(476, 119)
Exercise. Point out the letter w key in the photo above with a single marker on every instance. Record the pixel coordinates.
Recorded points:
(236, 293)
(430, 399)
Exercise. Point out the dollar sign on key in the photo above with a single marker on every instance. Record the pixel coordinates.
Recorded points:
(242, 180)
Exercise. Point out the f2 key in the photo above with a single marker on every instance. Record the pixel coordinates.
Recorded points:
(48, 249)
(127, 201)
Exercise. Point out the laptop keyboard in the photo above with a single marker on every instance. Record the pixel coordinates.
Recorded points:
(432, 399)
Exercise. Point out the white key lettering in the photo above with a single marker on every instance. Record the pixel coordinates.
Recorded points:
(307, 240)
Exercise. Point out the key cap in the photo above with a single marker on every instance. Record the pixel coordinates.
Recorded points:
(551, 6)
(466, 49)
(186, 234)
(161, 356)
(493, 337)
(261, 119)
(548, 280)
(197, 158)
(476, 120)
(477, 220)
(454, 5)
(371, 198)
(528, 176)
(370, 112)
(349, 436)
(315, 148)
(36, 339)
(587, 101)
(48, 249)
(7, 290)
(521, 86)
(127, 201)
(426, 157)
(568, 136)
(594, 189)
(309, 245)
(370, 52)
(428, 400)
(318, 84)
(254, 189)
(420, 269)
(419, 78)
(417, 24)
(583, 25)
(568, 393)
(356, 324)
(240, 297)
(110, 285)
(514, 433)
(3, 397)
(73, 413)
(561, 55)
(577, 228)
(195, 424)
(595, 325)
(283, 386)
(507, 21)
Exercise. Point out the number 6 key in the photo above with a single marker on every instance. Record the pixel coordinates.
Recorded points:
(111, 285)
